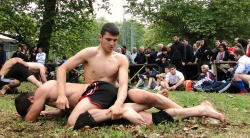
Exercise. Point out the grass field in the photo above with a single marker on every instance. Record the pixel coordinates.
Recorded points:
(236, 109)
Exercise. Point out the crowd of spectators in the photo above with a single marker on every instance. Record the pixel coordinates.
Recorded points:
(188, 60)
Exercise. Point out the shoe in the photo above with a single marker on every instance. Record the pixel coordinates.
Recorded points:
(145, 88)
(225, 88)
(135, 87)
(242, 92)
(159, 88)
(156, 88)
(200, 89)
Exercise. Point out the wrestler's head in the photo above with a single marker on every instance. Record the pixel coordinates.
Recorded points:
(110, 28)
(23, 102)
(204, 68)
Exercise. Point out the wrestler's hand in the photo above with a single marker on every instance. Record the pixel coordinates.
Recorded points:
(116, 111)
(62, 102)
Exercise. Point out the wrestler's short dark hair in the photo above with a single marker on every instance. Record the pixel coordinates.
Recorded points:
(110, 28)
(23, 103)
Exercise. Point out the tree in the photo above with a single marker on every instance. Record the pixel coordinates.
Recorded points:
(44, 21)
(194, 19)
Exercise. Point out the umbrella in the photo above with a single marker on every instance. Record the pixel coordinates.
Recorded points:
(7, 39)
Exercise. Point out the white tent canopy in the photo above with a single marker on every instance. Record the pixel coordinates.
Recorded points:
(7, 39)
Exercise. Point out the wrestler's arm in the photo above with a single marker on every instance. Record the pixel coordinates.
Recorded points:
(116, 109)
(43, 74)
(36, 107)
(62, 101)
(55, 112)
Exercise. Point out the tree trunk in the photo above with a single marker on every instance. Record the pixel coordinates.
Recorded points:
(48, 23)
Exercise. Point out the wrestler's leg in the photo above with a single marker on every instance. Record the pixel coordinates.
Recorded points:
(154, 100)
(129, 113)
(33, 80)
(204, 109)
(15, 83)
(83, 106)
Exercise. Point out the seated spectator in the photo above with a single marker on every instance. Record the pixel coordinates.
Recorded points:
(160, 79)
(174, 79)
(162, 59)
(206, 78)
(148, 77)
(242, 72)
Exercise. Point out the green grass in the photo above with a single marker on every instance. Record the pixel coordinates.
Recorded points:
(236, 109)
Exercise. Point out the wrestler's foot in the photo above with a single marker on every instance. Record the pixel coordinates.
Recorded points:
(163, 92)
(4, 89)
(132, 116)
(208, 110)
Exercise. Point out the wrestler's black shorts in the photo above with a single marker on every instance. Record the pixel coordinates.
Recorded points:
(100, 93)
(19, 72)
(4, 81)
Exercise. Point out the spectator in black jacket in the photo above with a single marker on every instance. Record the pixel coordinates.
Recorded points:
(140, 58)
(178, 54)
(19, 53)
(204, 54)
(189, 67)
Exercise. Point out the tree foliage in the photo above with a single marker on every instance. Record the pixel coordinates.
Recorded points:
(194, 19)
(62, 26)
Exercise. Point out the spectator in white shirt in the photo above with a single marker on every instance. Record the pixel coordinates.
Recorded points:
(41, 56)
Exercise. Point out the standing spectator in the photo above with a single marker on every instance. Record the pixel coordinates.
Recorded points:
(132, 68)
(189, 59)
(140, 58)
(127, 54)
(19, 53)
(119, 50)
(168, 46)
(178, 54)
(248, 48)
(242, 72)
(216, 48)
(243, 42)
(203, 54)
(2, 56)
(159, 47)
(157, 53)
(195, 49)
(41, 56)
(150, 56)
(221, 55)
(33, 53)
(25, 52)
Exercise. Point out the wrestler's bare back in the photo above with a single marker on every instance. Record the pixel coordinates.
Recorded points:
(74, 91)
(35, 67)
(10, 63)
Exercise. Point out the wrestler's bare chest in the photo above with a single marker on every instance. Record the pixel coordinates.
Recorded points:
(105, 69)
